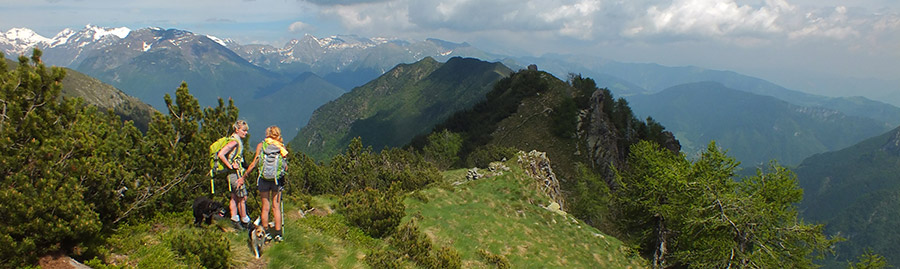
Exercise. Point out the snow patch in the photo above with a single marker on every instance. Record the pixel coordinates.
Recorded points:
(100, 32)
(217, 40)
(62, 37)
(147, 46)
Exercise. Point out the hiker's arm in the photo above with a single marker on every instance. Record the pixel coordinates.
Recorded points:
(225, 150)
(255, 159)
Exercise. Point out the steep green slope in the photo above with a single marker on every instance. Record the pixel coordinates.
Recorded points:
(754, 128)
(104, 96)
(856, 192)
(507, 215)
(402, 103)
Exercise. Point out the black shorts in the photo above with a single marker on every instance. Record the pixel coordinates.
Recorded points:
(269, 185)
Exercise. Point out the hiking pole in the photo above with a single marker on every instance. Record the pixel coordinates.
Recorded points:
(281, 201)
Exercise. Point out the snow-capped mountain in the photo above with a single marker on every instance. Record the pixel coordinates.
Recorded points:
(342, 57)
(67, 48)
(17, 40)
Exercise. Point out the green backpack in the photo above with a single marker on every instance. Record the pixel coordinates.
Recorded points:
(215, 164)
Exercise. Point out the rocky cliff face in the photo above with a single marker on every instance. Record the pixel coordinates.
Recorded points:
(893, 144)
(602, 140)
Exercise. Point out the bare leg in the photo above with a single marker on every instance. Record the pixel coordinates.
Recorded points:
(265, 208)
(233, 206)
(276, 209)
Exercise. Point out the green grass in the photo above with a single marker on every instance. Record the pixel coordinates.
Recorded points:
(502, 216)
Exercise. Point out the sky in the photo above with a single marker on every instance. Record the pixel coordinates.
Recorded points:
(807, 45)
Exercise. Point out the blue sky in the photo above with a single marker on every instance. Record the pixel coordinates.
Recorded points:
(791, 42)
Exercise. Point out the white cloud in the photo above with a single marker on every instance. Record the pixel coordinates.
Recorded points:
(710, 18)
(300, 27)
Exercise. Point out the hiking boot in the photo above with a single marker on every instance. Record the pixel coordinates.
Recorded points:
(277, 236)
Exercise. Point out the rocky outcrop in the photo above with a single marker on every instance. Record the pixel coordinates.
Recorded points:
(600, 137)
(537, 165)
(893, 144)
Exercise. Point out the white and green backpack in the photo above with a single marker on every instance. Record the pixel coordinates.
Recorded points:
(272, 164)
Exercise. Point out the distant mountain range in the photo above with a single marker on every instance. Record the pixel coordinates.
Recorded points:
(271, 85)
(754, 128)
(150, 62)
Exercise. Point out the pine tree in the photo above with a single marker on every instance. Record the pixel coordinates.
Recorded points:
(697, 215)
(61, 163)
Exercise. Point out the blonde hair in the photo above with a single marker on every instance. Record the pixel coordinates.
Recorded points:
(240, 125)
(274, 132)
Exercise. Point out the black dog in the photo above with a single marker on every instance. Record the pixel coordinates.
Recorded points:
(205, 209)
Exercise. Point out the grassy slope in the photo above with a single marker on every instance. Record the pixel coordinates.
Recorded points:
(501, 215)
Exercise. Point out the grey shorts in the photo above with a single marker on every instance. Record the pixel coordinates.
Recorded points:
(269, 185)
(239, 192)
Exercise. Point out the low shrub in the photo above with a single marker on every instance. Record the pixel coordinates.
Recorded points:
(204, 247)
(376, 212)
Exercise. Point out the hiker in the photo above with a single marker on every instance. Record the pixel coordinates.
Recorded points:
(232, 156)
(270, 155)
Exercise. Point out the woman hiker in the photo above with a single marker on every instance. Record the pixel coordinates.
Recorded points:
(270, 154)
(232, 156)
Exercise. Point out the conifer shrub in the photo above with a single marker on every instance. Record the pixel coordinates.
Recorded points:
(446, 257)
(500, 261)
(204, 247)
(384, 258)
(412, 243)
(376, 212)
(483, 156)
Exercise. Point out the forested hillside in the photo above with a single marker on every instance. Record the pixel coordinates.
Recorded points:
(856, 191)
(405, 102)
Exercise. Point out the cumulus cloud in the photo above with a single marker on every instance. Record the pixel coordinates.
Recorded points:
(300, 27)
(745, 22)
(342, 2)
(710, 18)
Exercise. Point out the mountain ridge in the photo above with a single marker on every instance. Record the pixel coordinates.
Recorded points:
(377, 110)
(741, 122)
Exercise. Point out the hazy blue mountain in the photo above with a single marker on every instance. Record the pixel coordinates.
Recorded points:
(349, 61)
(406, 101)
(754, 128)
(288, 106)
(651, 78)
(856, 192)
